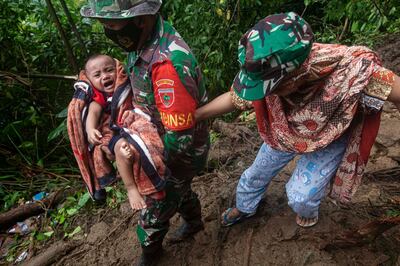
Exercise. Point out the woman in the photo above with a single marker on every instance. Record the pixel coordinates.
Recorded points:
(320, 101)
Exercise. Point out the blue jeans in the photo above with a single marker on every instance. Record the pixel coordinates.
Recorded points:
(307, 185)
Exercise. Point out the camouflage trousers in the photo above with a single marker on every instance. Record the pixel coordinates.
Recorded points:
(153, 222)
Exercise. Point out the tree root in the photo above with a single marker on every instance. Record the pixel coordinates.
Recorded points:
(363, 235)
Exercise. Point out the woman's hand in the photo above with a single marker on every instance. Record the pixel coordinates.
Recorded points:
(394, 95)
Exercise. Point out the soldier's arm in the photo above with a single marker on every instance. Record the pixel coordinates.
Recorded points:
(176, 106)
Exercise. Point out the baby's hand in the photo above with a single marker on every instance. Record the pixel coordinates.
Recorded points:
(94, 137)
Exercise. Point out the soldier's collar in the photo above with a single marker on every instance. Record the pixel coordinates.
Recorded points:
(151, 45)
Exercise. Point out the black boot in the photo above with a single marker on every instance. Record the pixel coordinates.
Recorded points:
(186, 230)
(100, 196)
(151, 255)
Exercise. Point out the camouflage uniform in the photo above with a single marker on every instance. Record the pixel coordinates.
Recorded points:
(167, 84)
(156, 92)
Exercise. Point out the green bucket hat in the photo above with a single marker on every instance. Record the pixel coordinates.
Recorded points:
(275, 46)
(120, 9)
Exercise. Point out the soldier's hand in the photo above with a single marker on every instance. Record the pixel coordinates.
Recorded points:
(128, 118)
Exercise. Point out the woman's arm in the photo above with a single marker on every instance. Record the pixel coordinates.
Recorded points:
(394, 95)
(221, 105)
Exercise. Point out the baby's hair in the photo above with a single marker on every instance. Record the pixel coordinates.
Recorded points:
(94, 56)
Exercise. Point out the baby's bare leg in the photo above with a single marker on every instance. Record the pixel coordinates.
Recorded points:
(125, 169)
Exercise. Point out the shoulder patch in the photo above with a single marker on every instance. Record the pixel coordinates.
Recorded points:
(175, 104)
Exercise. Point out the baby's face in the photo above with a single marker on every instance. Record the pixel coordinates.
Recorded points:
(102, 73)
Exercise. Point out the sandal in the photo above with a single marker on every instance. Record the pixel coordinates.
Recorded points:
(311, 221)
(226, 221)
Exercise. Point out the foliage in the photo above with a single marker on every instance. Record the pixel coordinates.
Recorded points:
(64, 221)
(394, 212)
(367, 20)
(33, 135)
(213, 29)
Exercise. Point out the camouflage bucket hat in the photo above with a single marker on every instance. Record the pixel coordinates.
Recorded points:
(275, 46)
(120, 9)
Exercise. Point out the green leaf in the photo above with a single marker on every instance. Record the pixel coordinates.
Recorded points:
(48, 234)
(71, 199)
(63, 113)
(57, 131)
(72, 211)
(26, 145)
(62, 219)
(40, 237)
(76, 231)
(40, 163)
(84, 199)
(355, 26)
(307, 2)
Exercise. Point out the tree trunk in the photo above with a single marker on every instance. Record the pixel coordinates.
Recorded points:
(68, 48)
(73, 27)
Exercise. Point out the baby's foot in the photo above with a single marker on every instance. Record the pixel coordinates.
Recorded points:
(108, 153)
(135, 199)
(306, 222)
(126, 150)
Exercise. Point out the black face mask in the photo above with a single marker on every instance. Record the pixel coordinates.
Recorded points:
(127, 38)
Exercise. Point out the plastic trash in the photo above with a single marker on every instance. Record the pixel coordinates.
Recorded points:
(20, 228)
(39, 196)
(22, 256)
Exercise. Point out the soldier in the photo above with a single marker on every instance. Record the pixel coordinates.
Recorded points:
(166, 84)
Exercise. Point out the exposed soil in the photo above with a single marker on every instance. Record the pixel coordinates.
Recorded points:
(271, 237)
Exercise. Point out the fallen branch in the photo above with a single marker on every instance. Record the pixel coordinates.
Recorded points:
(363, 235)
(50, 76)
(52, 254)
(25, 211)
